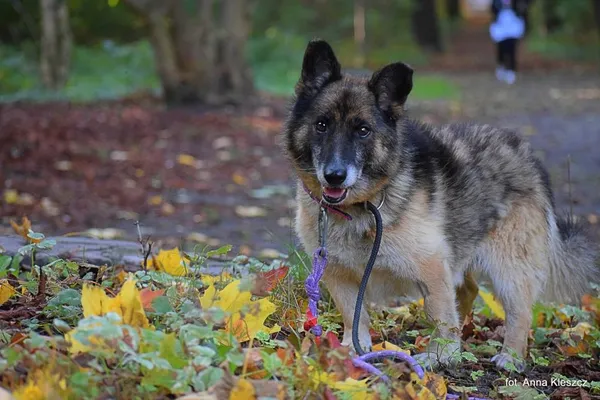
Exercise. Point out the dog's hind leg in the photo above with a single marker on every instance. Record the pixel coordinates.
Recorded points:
(517, 253)
(343, 287)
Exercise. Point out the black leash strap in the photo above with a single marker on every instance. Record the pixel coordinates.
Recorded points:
(365, 278)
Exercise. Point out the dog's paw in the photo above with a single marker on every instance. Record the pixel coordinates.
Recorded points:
(365, 342)
(432, 360)
(504, 361)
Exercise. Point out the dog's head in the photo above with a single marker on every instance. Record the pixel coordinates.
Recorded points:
(342, 134)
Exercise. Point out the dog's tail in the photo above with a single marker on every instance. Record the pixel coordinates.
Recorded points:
(573, 262)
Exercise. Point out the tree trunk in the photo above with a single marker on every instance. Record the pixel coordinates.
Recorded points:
(56, 43)
(425, 25)
(552, 21)
(453, 9)
(360, 33)
(235, 75)
(197, 60)
(596, 8)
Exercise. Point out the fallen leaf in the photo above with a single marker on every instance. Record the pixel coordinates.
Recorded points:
(169, 261)
(49, 207)
(105, 234)
(243, 390)
(250, 211)
(247, 317)
(155, 200)
(6, 291)
(187, 160)
(23, 229)
(167, 209)
(269, 253)
(239, 179)
(492, 303)
(127, 304)
(147, 295)
(265, 282)
(389, 346)
(11, 196)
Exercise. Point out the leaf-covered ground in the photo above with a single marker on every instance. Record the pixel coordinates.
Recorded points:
(169, 330)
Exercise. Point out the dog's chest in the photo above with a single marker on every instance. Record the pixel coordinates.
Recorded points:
(349, 243)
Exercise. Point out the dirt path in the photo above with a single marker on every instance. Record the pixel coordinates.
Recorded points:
(216, 177)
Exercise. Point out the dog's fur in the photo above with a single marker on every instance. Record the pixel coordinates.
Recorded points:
(458, 199)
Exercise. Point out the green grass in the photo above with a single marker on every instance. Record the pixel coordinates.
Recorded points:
(111, 71)
(563, 47)
(97, 73)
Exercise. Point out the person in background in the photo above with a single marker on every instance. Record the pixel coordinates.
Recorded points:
(508, 26)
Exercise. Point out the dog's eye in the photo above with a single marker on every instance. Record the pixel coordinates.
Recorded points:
(363, 132)
(321, 127)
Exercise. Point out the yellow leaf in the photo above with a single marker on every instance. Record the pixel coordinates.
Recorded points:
(492, 303)
(95, 301)
(132, 309)
(188, 160)
(246, 316)
(436, 385)
(359, 390)
(239, 179)
(169, 261)
(155, 200)
(208, 280)
(127, 304)
(208, 298)
(243, 390)
(11, 196)
(389, 346)
(6, 291)
(43, 385)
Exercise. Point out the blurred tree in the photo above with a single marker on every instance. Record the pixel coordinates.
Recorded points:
(453, 9)
(425, 25)
(552, 19)
(199, 48)
(360, 33)
(596, 7)
(56, 43)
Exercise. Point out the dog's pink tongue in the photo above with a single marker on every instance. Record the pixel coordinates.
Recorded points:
(333, 192)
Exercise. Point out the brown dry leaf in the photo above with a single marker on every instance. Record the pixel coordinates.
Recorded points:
(253, 364)
(265, 282)
(23, 229)
(148, 295)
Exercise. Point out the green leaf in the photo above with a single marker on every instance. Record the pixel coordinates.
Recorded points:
(468, 356)
(207, 378)
(220, 251)
(35, 235)
(5, 262)
(161, 305)
(66, 297)
(170, 350)
(46, 244)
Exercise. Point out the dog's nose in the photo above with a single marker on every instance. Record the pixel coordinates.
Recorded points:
(335, 176)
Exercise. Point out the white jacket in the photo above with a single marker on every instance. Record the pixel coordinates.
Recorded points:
(508, 25)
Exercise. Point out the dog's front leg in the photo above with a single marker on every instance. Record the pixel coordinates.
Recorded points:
(343, 287)
(440, 307)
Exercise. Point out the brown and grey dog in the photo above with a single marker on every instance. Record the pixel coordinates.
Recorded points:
(458, 199)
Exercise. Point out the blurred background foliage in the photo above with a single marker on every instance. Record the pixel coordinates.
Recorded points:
(111, 56)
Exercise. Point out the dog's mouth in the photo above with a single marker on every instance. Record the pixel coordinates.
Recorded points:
(334, 195)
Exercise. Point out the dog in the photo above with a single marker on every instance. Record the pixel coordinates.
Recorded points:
(455, 200)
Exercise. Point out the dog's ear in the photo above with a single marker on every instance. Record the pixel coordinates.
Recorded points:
(391, 86)
(319, 68)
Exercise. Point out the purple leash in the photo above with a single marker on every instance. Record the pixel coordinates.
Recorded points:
(314, 295)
